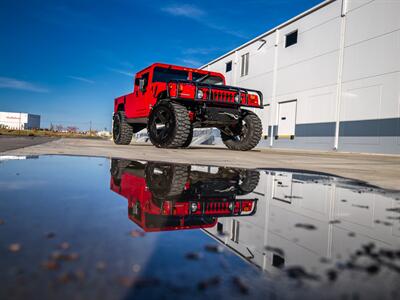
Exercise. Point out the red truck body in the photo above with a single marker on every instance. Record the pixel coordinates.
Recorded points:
(171, 101)
(138, 104)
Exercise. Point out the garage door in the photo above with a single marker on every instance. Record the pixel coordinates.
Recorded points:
(287, 119)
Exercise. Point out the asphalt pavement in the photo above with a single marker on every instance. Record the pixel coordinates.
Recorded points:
(16, 142)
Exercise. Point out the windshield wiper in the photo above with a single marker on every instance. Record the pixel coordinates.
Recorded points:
(202, 78)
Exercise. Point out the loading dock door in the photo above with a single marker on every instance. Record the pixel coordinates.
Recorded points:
(287, 119)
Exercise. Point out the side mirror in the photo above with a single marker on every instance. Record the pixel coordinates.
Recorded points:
(142, 85)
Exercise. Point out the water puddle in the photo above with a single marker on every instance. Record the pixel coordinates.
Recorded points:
(82, 227)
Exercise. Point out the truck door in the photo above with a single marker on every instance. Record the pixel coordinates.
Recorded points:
(287, 119)
(139, 104)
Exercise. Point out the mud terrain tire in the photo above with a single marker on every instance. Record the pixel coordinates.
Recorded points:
(122, 130)
(166, 181)
(168, 125)
(249, 181)
(247, 135)
(189, 139)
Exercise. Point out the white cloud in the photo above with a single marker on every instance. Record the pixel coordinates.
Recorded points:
(15, 84)
(201, 51)
(123, 72)
(192, 62)
(184, 10)
(199, 15)
(82, 79)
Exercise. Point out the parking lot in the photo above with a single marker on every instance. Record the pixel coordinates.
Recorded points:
(379, 170)
(17, 142)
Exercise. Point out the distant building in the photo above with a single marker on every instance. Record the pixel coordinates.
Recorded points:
(104, 133)
(19, 121)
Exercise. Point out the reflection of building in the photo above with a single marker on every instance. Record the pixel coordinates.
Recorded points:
(12, 120)
(302, 218)
(15, 157)
(330, 77)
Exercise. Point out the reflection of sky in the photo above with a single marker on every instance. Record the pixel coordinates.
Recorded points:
(75, 202)
(303, 220)
(18, 185)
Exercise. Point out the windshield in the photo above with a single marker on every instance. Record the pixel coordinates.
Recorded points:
(165, 75)
(203, 78)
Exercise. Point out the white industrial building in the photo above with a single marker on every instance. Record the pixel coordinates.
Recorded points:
(19, 121)
(330, 77)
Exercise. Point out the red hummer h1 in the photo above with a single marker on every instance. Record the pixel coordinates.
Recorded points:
(163, 196)
(171, 100)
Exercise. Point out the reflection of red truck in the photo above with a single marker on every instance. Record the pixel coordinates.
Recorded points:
(163, 196)
(171, 100)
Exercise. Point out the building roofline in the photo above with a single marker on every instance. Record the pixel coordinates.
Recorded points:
(14, 112)
(290, 21)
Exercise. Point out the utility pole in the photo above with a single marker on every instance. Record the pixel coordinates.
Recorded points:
(19, 124)
(90, 128)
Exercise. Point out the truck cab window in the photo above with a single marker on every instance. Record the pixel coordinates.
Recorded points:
(165, 74)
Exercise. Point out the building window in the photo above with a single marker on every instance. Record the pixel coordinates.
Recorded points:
(278, 261)
(228, 67)
(291, 39)
(220, 228)
(245, 65)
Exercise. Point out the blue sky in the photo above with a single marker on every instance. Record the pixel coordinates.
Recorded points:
(68, 60)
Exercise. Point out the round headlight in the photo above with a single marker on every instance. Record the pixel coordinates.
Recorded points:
(200, 94)
(193, 207)
(237, 98)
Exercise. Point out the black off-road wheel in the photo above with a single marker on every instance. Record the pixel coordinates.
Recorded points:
(245, 135)
(122, 130)
(166, 181)
(169, 125)
(249, 180)
(117, 168)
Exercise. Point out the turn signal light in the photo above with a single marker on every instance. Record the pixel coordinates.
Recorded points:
(253, 99)
(247, 206)
(166, 208)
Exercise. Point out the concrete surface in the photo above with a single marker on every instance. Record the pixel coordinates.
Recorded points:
(379, 170)
(15, 142)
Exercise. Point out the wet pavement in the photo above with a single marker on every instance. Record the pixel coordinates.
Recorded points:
(83, 227)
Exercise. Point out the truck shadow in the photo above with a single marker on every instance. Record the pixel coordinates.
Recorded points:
(196, 147)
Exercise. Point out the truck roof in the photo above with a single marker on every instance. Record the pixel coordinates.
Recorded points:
(176, 67)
